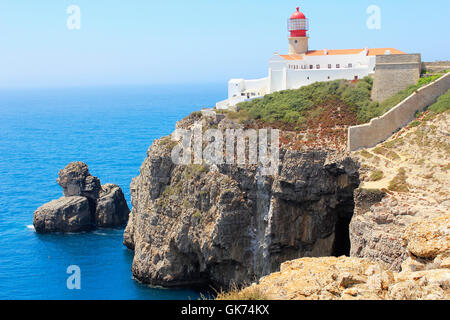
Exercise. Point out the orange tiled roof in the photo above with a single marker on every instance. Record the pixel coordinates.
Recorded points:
(333, 52)
(291, 57)
(371, 52)
(381, 51)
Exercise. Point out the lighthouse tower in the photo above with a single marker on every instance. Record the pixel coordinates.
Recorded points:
(298, 28)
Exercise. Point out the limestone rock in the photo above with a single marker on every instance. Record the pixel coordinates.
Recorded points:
(67, 214)
(76, 180)
(408, 222)
(112, 209)
(228, 224)
(85, 205)
(346, 278)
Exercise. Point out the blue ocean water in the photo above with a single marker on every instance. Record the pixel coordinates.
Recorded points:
(110, 129)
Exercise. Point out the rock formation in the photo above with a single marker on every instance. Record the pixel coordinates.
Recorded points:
(85, 204)
(411, 189)
(425, 273)
(226, 224)
(67, 214)
(400, 230)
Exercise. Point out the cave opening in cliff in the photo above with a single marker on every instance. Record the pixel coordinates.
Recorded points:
(341, 246)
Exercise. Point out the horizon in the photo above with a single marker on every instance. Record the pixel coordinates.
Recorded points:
(138, 44)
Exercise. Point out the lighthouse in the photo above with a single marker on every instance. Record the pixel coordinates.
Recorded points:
(298, 33)
(303, 66)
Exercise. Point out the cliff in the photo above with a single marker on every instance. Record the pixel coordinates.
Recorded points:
(411, 169)
(223, 224)
(400, 230)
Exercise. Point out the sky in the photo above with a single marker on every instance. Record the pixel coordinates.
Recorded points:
(145, 42)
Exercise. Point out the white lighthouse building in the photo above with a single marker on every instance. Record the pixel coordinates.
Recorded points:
(302, 66)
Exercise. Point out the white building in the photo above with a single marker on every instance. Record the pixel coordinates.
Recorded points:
(302, 66)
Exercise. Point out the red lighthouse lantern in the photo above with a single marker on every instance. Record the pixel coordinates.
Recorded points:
(298, 24)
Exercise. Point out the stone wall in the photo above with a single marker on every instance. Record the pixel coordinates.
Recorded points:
(381, 128)
(394, 73)
(436, 66)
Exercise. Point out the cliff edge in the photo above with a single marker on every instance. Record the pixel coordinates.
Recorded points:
(224, 224)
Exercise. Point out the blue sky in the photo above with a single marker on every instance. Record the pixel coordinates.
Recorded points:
(139, 42)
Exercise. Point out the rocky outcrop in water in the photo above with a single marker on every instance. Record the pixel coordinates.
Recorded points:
(223, 224)
(85, 205)
(67, 214)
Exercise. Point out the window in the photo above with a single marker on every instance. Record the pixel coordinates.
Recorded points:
(328, 77)
(318, 66)
(329, 66)
(338, 65)
(307, 78)
(311, 66)
(350, 65)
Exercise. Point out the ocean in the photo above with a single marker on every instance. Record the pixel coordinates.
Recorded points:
(110, 129)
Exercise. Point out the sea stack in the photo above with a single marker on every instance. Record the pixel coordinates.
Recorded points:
(86, 204)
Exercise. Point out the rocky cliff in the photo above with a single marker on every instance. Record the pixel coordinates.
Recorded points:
(409, 176)
(223, 224)
(400, 230)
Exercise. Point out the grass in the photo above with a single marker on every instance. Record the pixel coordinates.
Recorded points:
(394, 143)
(387, 153)
(414, 124)
(442, 104)
(252, 293)
(376, 175)
(366, 154)
(399, 184)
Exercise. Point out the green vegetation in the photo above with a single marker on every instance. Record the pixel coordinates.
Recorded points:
(377, 109)
(399, 184)
(168, 142)
(296, 107)
(366, 154)
(387, 153)
(442, 104)
(195, 170)
(394, 143)
(197, 214)
(376, 175)
(415, 123)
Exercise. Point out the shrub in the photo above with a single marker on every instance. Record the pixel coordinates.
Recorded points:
(291, 106)
(415, 123)
(399, 183)
(366, 154)
(249, 294)
(442, 104)
(376, 175)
